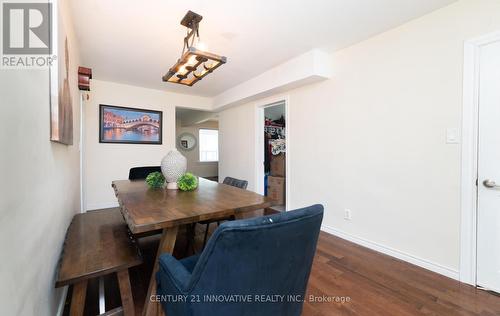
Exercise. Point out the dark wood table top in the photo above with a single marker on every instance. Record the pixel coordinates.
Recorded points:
(97, 243)
(146, 209)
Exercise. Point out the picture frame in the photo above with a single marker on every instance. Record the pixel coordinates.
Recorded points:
(127, 125)
(61, 96)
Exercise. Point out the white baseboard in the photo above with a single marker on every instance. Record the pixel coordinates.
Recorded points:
(98, 206)
(60, 306)
(426, 264)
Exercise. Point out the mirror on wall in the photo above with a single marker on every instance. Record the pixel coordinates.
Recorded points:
(186, 141)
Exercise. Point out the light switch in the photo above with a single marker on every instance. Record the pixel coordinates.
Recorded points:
(452, 136)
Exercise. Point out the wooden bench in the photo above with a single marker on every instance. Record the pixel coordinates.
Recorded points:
(97, 243)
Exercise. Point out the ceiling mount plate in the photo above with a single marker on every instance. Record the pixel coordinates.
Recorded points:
(191, 19)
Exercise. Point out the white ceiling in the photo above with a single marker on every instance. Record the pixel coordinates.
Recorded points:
(188, 117)
(135, 42)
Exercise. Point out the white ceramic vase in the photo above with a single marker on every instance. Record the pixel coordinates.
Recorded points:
(173, 165)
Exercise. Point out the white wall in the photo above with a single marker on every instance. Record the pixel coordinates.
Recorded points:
(39, 192)
(237, 130)
(104, 163)
(202, 169)
(372, 139)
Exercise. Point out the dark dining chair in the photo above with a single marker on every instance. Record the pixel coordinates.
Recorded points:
(241, 184)
(245, 260)
(138, 173)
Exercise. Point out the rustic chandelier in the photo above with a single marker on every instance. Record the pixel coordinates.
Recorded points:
(195, 63)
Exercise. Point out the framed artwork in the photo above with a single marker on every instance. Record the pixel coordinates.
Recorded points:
(129, 125)
(61, 107)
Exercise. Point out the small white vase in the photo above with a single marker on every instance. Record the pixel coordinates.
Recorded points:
(173, 165)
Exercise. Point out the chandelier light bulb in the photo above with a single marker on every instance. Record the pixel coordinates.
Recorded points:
(192, 60)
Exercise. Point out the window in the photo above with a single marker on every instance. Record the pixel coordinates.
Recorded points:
(209, 145)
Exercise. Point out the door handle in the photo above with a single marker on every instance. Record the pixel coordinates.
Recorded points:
(490, 184)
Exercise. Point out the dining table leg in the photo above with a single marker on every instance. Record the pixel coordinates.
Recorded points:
(167, 244)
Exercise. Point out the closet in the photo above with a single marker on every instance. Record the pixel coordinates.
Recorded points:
(275, 153)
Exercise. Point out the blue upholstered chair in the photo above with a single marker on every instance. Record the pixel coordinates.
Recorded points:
(254, 259)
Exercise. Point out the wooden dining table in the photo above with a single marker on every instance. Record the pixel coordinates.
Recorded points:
(146, 210)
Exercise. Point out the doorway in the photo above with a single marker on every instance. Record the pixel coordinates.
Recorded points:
(272, 134)
(480, 236)
(197, 139)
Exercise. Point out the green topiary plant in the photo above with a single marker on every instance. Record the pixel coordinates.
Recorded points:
(155, 180)
(187, 182)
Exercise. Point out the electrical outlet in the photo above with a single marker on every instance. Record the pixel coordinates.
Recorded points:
(452, 136)
(347, 214)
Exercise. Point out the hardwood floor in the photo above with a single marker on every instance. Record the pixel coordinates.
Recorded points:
(378, 284)
(363, 282)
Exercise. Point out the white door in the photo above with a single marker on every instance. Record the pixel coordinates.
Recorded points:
(488, 225)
